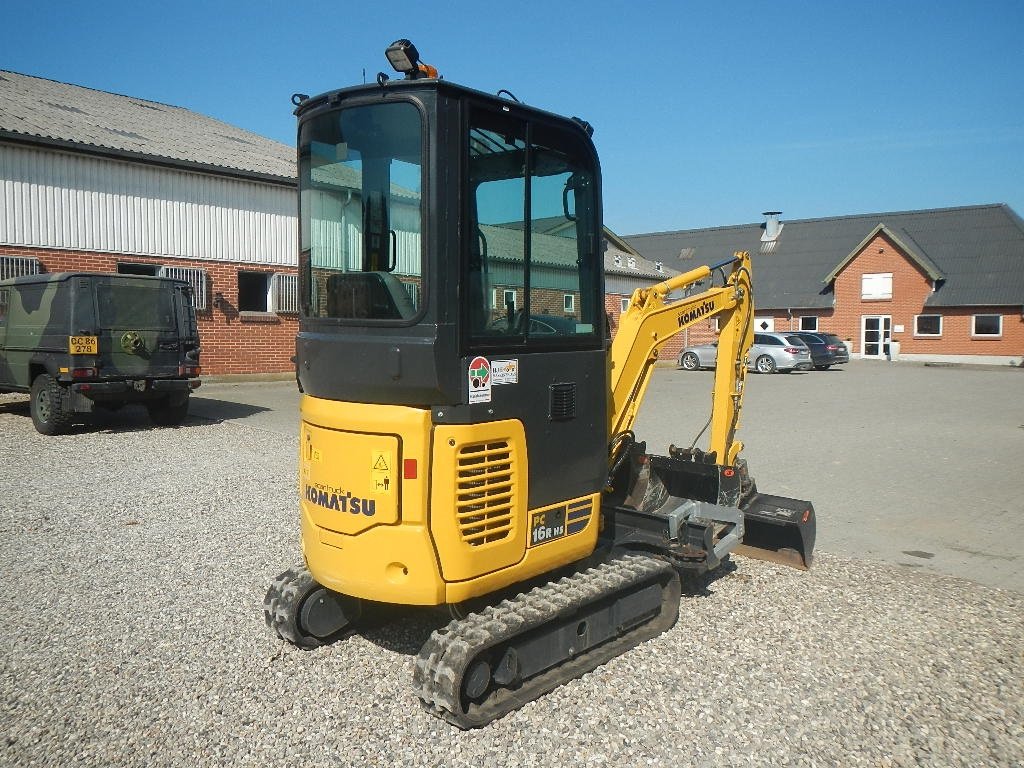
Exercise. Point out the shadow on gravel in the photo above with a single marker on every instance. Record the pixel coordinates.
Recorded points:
(134, 418)
(15, 406)
(209, 409)
(403, 630)
(700, 586)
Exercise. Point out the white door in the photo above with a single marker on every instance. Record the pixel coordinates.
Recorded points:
(875, 334)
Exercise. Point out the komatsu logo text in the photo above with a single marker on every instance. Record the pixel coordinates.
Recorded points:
(343, 501)
(696, 313)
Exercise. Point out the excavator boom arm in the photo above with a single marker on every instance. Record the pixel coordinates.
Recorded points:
(650, 322)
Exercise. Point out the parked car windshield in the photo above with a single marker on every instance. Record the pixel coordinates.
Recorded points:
(796, 340)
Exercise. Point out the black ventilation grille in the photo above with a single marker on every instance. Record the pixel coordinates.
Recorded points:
(563, 402)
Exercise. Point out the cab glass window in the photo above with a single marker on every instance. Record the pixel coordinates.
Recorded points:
(531, 265)
(361, 179)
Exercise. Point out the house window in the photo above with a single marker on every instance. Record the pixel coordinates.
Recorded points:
(501, 298)
(569, 303)
(254, 291)
(987, 325)
(16, 266)
(196, 278)
(928, 325)
(876, 286)
(809, 323)
(284, 293)
(625, 305)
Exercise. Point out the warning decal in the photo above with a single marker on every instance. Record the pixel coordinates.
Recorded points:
(479, 380)
(381, 479)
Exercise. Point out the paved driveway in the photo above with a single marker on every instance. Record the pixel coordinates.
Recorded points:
(905, 463)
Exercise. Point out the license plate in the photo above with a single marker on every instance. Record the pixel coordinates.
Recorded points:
(83, 345)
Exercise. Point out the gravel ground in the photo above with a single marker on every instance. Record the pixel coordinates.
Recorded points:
(136, 559)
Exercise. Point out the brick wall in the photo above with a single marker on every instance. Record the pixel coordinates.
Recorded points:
(232, 342)
(910, 288)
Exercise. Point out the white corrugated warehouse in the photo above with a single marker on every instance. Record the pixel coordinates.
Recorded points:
(98, 181)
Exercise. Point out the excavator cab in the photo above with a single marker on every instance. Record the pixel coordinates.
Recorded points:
(460, 395)
(452, 329)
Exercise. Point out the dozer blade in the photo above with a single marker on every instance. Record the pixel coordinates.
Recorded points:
(779, 529)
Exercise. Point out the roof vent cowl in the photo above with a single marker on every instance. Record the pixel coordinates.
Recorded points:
(772, 225)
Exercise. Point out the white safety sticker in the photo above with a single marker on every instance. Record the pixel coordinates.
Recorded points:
(504, 372)
(479, 380)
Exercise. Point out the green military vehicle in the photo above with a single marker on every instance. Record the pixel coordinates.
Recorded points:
(77, 341)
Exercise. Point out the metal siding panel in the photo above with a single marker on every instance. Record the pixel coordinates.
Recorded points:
(62, 200)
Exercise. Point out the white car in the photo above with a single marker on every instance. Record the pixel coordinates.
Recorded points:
(769, 353)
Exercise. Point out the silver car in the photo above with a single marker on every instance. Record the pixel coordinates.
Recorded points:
(769, 353)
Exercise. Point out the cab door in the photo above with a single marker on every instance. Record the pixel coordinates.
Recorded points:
(532, 296)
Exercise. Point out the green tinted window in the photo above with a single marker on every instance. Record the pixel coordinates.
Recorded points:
(135, 306)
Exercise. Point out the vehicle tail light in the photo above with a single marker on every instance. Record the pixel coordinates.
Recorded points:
(832, 347)
(83, 373)
(794, 350)
(189, 370)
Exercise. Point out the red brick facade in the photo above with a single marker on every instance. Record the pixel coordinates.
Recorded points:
(910, 288)
(232, 342)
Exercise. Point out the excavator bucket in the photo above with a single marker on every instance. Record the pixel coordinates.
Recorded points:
(778, 529)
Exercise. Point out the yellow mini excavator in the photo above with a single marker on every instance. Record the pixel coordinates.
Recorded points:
(466, 424)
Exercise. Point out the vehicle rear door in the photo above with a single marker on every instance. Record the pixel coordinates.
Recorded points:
(138, 323)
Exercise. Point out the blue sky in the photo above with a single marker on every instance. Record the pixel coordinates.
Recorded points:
(706, 113)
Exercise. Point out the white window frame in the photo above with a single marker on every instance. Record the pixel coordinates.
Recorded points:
(284, 293)
(919, 334)
(876, 286)
(569, 303)
(809, 317)
(624, 305)
(17, 266)
(196, 278)
(974, 327)
(504, 296)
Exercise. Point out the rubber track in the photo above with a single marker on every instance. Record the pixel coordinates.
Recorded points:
(450, 651)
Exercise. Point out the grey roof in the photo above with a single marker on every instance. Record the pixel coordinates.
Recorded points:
(642, 267)
(975, 253)
(68, 116)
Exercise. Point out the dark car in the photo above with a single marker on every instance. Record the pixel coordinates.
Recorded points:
(837, 347)
(822, 357)
(77, 340)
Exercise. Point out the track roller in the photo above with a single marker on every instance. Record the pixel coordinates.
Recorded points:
(307, 614)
